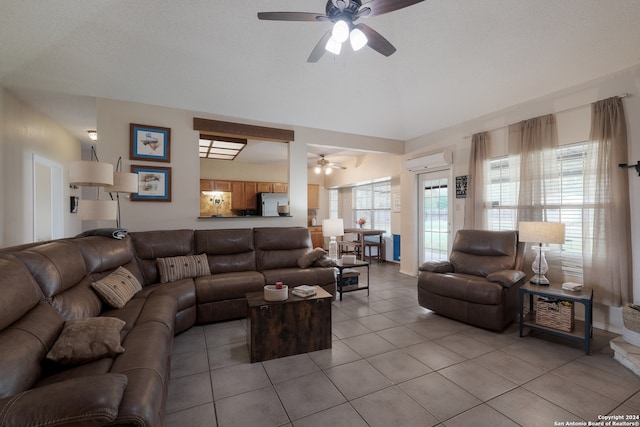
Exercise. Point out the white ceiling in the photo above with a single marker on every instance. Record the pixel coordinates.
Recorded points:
(456, 59)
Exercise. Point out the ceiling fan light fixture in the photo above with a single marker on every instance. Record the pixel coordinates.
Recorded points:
(357, 39)
(318, 170)
(333, 46)
(327, 171)
(340, 31)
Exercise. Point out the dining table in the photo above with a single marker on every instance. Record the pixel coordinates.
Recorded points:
(362, 233)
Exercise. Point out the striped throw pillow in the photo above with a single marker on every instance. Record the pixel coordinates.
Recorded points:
(117, 288)
(182, 267)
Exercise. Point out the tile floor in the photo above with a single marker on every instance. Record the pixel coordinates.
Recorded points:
(394, 363)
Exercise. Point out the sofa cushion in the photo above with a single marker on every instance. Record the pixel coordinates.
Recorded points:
(463, 287)
(280, 247)
(228, 250)
(118, 287)
(182, 267)
(24, 345)
(151, 245)
(306, 260)
(84, 340)
(228, 286)
(82, 402)
(482, 252)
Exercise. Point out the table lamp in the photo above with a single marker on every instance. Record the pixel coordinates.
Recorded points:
(332, 228)
(541, 232)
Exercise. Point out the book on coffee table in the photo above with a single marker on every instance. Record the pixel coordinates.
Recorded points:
(304, 291)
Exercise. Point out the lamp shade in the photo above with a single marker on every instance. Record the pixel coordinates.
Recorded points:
(95, 174)
(106, 210)
(332, 227)
(542, 232)
(358, 39)
(123, 182)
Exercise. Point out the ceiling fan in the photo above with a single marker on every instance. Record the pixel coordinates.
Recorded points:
(326, 166)
(343, 14)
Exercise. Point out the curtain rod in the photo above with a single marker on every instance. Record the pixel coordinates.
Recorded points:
(624, 95)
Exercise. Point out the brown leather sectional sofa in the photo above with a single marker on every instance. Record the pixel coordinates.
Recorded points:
(44, 285)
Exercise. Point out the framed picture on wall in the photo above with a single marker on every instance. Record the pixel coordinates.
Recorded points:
(150, 143)
(461, 186)
(154, 184)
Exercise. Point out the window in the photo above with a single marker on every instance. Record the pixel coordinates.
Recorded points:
(333, 204)
(373, 202)
(567, 206)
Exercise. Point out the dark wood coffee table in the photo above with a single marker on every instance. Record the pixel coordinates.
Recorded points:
(284, 328)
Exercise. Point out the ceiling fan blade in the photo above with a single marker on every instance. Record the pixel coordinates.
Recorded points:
(291, 16)
(318, 51)
(378, 7)
(376, 41)
(336, 166)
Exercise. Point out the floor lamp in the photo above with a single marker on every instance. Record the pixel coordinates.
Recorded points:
(123, 182)
(90, 173)
(542, 233)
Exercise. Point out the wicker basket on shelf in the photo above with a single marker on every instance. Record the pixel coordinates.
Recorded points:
(631, 317)
(556, 314)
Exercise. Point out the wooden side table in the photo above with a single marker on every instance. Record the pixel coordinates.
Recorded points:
(585, 297)
(284, 328)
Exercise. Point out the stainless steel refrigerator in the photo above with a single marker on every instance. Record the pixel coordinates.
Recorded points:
(268, 203)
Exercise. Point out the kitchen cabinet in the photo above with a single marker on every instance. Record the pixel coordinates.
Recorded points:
(313, 196)
(206, 185)
(244, 195)
(264, 187)
(280, 187)
(224, 186)
(317, 239)
(272, 187)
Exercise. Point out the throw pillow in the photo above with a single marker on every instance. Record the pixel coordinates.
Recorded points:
(117, 288)
(182, 267)
(85, 340)
(325, 262)
(307, 259)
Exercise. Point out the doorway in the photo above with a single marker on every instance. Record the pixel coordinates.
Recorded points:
(48, 204)
(435, 216)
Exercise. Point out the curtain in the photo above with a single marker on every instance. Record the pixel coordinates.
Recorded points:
(533, 165)
(474, 207)
(606, 227)
(532, 158)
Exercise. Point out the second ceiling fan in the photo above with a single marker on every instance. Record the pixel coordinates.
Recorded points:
(326, 166)
(343, 14)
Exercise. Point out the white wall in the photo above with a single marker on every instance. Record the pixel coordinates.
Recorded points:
(113, 118)
(25, 132)
(572, 108)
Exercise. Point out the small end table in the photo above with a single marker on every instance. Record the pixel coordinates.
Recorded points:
(584, 296)
(341, 266)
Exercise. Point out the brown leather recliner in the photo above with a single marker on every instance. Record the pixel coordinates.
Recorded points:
(480, 282)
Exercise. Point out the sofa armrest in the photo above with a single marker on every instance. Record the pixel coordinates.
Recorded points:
(506, 278)
(437, 267)
(84, 401)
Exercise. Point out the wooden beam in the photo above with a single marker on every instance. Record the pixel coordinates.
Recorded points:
(239, 130)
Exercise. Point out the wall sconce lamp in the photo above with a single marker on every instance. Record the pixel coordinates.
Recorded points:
(636, 166)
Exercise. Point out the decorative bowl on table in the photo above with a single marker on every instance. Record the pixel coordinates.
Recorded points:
(272, 293)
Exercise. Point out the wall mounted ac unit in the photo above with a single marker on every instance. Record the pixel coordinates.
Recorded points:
(430, 161)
